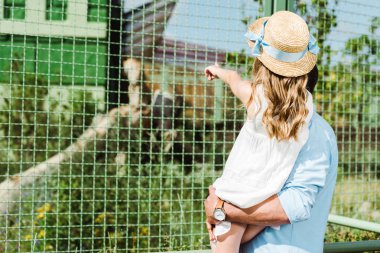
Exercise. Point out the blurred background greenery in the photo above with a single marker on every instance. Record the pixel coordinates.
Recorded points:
(126, 193)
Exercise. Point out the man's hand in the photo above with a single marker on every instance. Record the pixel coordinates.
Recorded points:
(210, 204)
(210, 228)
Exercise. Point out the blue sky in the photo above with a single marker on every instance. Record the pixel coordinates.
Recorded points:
(218, 23)
(213, 23)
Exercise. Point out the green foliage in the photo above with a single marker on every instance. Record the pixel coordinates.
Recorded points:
(35, 123)
(241, 59)
(133, 208)
(128, 195)
(346, 91)
(350, 85)
(336, 233)
(346, 94)
(124, 194)
(321, 18)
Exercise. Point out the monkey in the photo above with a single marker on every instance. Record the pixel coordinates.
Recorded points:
(163, 106)
(179, 107)
(138, 88)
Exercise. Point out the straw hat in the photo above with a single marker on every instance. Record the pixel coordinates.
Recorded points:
(287, 34)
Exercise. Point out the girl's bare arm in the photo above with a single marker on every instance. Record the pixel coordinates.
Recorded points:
(239, 87)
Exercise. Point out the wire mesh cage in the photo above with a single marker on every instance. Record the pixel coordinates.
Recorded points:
(111, 135)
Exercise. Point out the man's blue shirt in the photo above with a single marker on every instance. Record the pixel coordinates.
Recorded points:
(305, 197)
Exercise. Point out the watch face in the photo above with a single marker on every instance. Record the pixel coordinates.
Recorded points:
(219, 215)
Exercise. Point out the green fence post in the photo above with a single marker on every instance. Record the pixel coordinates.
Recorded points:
(115, 93)
(279, 5)
(290, 5)
(268, 7)
(271, 6)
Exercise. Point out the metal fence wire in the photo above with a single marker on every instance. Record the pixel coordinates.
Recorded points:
(110, 134)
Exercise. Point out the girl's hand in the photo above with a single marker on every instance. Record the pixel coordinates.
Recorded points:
(210, 228)
(211, 72)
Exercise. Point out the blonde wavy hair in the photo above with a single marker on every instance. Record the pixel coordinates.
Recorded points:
(286, 98)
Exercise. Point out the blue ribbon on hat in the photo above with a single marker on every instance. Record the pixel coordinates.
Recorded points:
(280, 55)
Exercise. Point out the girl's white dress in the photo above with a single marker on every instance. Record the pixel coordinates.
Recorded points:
(258, 166)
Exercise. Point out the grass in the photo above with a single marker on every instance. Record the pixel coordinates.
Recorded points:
(357, 197)
(139, 212)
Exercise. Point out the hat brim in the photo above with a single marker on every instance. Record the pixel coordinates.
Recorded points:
(288, 69)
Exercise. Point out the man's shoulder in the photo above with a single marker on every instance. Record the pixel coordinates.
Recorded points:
(322, 137)
(321, 128)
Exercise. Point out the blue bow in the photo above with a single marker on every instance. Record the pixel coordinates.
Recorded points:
(313, 46)
(258, 40)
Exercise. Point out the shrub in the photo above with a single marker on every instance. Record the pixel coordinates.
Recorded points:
(35, 124)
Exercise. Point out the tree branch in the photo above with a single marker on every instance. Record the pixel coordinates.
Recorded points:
(11, 188)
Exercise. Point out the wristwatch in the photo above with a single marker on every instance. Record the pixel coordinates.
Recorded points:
(219, 213)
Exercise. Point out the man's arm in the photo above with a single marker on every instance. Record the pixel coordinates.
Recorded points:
(268, 213)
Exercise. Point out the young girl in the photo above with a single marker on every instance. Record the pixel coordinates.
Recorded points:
(279, 109)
